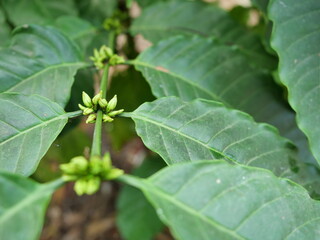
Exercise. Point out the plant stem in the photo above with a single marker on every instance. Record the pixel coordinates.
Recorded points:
(97, 134)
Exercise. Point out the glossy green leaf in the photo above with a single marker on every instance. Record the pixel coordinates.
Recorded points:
(192, 68)
(37, 11)
(164, 19)
(215, 200)
(39, 60)
(22, 206)
(295, 37)
(144, 223)
(28, 125)
(188, 131)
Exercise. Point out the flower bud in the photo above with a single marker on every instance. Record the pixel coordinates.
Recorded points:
(116, 59)
(91, 118)
(86, 100)
(80, 187)
(68, 178)
(96, 98)
(106, 118)
(112, 104)
(80, 164)
(103, 103)
(96, 165)
(114, 173)
(106, 160)
(93, 185)
(87, 111)
(114, 113)
(81, 107)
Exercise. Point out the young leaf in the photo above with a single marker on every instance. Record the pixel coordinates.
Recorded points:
(22, 206)
(215, 200)
(170, 18)
(187, 131)
(144, 222)
(295, 37)
(191, 68)
(35, 11)
(28, 126)
(39, 60)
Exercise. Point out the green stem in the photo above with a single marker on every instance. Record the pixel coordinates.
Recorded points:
(97, 134)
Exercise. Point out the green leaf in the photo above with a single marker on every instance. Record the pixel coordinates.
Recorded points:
(187, 131)
(295, 37)
(191, 68)
(144, 223)
(37, 11)
(22, 206)
(261, 4)
(39, 60)
(4, 30)
(164, 19)
(78, 30)
(28, 126)
(214, 200)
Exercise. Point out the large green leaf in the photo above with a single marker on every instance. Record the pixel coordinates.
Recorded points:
(37, 11)
(192, 68)
(22, 206)
(144, 223)
(295, 37)
(39, 60)
(187, 131)
(214, 200)
(164, 19)
(28, 126)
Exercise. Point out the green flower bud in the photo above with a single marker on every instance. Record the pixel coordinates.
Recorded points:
(93, 185)
(116, 59)
(96, 54)
(113, 174)
(114, 113)
(91, 118)
(87, 111)
(68, 178)
(106, 160)
(96, 98)
(112, 104)
(107, 51)
(86, 100)
(96, 165)
(80, 187)
(80, 164)
(106, 118)
(103, 103)
(81, 107)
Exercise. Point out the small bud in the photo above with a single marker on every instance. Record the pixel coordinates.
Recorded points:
(106, 118)
(93, 185)
(96, 98)
(103, 103)
(107, 161)
(80, 164)
(86, 100)
(112, 104)
(91, 118)
(116, 59)
(114, 113)
(68, 178)
(96, 165)
(80, 187)
(87, 111)
(114, 173)
(81, 107)
(96, 53)
(107, 51)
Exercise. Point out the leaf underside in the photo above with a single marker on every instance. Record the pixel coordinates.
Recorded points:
(295, 38)
(28, 126)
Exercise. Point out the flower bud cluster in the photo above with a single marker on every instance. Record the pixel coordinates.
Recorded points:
(89, 174)
(91, 106)
(105, 55)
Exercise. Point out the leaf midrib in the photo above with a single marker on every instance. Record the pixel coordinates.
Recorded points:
(149, 187)
(25, 80)
(133, 115)
(44, 123)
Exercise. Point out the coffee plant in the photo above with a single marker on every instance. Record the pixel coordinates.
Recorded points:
(236, 118)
